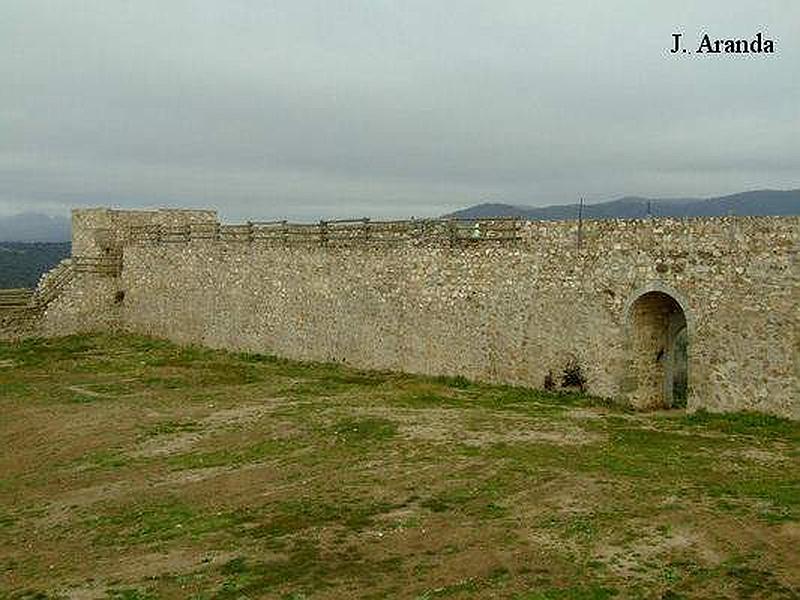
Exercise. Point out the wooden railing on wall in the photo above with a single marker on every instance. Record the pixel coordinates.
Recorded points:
(339, 232)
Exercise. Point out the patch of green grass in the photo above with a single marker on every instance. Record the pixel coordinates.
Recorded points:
(180, 356)
(570, 593)
(204, 374)
(757, 583)
(572, 526)
(7, 521)
(76, 398)
(110, 388)
(437, 392)
(634, 452)
(130, 594)
(511, 394)
(458, 381)
(151, 521)
(235, 566)
(471, 585)
(357, 378)
(303, 566)
(780, 492)
(744, 423)
(144, 344)
(169, 382)
(30, 595)
(482, 499)
(305, 389)
(293, 516)
(678, 461)
(306, 569)
(93, 392)
(315, 380)
(539, 402)
(43, 351)
(170, 427)
(104, 459)
(19, 389)
(229, 456)
(254, 357)
(425, 399)
(354, 430)
(451, 499)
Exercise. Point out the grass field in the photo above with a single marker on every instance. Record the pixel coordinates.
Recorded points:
(135, 469)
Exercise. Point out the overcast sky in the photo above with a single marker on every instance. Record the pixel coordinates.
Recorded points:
(306, 109)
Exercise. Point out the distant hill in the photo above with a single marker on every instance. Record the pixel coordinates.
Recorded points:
(34, 227)
(21, 263)
(757, 203)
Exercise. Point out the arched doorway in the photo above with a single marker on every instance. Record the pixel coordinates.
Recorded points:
(659, 351)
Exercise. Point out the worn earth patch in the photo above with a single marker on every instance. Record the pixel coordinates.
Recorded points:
(460, 426)
(192, 473)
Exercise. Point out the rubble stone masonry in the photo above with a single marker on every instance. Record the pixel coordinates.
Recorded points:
(609, 296)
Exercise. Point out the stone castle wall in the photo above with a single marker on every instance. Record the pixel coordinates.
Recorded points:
(507, 307)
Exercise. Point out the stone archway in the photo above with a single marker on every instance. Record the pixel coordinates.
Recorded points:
(658, 334)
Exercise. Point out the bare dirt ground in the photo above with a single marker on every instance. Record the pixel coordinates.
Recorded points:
(134, 469)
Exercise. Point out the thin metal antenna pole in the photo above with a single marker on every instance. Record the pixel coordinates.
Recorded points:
(580, 223)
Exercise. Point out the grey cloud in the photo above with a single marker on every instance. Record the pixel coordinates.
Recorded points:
(319, 109)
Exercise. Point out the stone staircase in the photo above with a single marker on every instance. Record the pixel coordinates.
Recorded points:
(16, 299)
(52, 283)
(21, 309)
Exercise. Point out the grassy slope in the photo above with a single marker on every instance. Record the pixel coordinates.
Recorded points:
(136, 469)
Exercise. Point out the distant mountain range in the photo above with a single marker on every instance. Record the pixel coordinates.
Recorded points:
(34, 227)
(757, 203)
